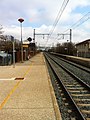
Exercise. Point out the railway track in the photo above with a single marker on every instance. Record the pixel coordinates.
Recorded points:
(72, 63)
(72, 93)
(80, 71)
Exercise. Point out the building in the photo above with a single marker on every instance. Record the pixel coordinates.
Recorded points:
(83, 49)
(29, 48)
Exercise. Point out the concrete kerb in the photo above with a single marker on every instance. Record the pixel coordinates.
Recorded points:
(54, 101)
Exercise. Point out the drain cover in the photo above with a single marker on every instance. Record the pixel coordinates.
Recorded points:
(19, 78)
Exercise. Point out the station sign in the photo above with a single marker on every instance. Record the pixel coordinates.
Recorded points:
(25, 46)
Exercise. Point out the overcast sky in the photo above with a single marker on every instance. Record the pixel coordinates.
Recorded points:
(40, 15)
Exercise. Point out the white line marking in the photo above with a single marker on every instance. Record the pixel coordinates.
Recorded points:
(7, 78)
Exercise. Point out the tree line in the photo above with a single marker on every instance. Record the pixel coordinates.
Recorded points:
(67, 48)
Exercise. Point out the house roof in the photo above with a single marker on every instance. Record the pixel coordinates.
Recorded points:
(83, 42)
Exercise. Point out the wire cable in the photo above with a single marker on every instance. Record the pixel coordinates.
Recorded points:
(79, 22)
(65, 2)
(59, 15)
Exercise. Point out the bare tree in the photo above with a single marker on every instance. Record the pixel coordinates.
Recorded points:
(2, 37)
(1, 29)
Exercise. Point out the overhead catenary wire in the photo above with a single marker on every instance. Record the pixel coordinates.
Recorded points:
(79, 22)
(65, 2)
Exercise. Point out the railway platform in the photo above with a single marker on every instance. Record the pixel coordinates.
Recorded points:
(26, 92)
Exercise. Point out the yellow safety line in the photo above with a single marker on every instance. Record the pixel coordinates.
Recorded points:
(12, 91)
(8, 96)
(26, 72)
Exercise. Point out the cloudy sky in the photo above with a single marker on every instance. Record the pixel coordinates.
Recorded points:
(41, 15)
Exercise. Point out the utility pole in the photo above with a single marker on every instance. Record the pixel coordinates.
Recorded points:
(43, 34)
(34, 36)
(70, 34)
(13, 41)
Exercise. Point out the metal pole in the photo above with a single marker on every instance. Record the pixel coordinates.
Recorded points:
(25, 54)
(13, 54)
(21, 45)
(21, 20)
(70, 35)
(67, 48)
(34, 36)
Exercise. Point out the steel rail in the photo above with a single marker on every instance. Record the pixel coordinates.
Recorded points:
(64, 57)
(72, 63)
(66, 91)
(72, 74)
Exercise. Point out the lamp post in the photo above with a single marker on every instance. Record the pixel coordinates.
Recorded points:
(21, 20)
